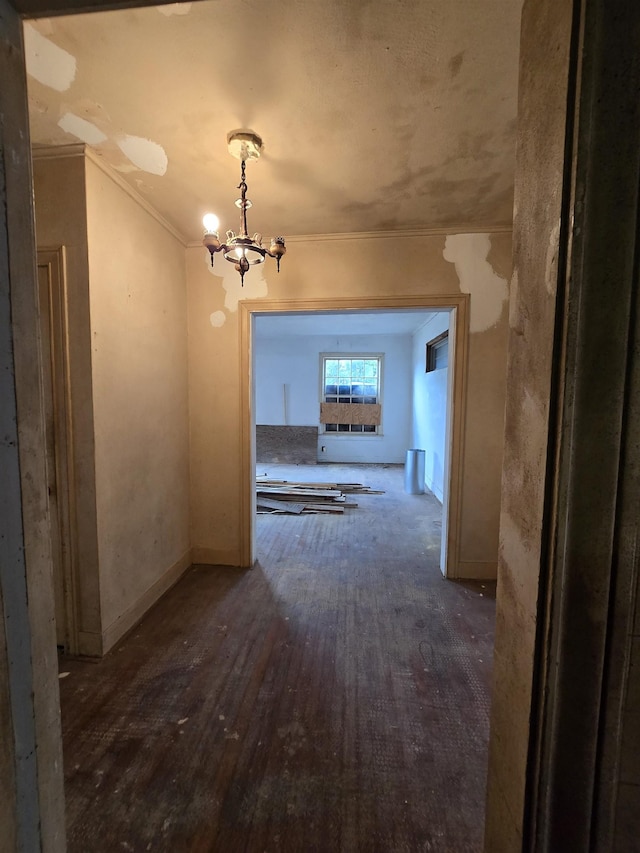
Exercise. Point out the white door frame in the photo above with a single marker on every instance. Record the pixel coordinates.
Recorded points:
(456, 400)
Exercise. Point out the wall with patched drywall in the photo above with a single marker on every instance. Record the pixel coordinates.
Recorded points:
(544, 71)
(287, 377)
(430, 390)
(139, 358)
(478, 264)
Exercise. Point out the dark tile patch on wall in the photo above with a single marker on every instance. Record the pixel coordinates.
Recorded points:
(296, 445)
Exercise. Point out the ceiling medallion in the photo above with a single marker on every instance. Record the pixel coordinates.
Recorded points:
(240, 249)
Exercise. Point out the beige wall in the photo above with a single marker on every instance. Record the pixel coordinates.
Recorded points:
(61, 220)
(139, 357)
(128, 356)
(479, 264)
(544, 67)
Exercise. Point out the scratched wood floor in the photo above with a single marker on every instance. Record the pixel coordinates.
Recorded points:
(334, 698)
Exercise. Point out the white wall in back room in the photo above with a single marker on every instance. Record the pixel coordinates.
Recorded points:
(430, 405)
(287, 383)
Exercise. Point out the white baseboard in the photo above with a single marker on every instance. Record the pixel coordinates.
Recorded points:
(126, 621)
(435, 490)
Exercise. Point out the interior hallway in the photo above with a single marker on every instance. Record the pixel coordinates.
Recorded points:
(334, 698)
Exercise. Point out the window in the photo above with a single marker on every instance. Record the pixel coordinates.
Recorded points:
(438, 352)
(353, 381)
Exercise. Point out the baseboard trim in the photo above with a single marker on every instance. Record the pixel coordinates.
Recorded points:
(202, 556)
(485, 571)
(89, 644)
(435, 491)
(134, 614)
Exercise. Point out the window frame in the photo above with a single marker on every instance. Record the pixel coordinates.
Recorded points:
(379, 356)
(431, 350)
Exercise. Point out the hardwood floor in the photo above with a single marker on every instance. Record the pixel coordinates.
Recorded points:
(333, 698)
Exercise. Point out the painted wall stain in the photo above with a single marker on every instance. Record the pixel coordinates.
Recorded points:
(455, 64)
(146, 155)
(518, 314)
(551, 266)
(488, 290)
(217, 319)
(82, 129)
(46, 62)
(174, 9)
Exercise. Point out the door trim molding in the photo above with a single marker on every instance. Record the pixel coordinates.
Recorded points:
(54, 260)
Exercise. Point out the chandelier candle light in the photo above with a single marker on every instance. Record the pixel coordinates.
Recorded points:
(241, 250)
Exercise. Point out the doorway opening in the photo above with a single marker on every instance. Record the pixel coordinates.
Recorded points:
(324, 314)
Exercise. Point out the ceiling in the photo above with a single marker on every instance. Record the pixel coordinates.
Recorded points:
(341, 323)
(375, 115)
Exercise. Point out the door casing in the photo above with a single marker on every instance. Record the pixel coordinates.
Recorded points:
(459, 338)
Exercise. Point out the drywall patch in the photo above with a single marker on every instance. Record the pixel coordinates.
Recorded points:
(146, 155)
(217, 319)
(488, 291)
(174, 9)
(255, 285)
(46, 62)
(82, 129)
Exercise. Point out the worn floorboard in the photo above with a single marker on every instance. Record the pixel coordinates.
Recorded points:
(334, 698)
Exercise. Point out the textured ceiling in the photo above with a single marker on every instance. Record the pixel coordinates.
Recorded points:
(375, 115)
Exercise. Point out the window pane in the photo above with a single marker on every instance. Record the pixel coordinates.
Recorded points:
(344, 399)
(343, 427)
(331, 400)
(331, 427)
(359, 390)
(344, 389)
(331, 367)
(344, 369)
(368, 399)
(330, 389)
(356, 427)
(368, 428)
(357, 368)
(371, 367)
(441, 354)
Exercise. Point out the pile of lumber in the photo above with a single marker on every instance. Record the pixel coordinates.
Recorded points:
(297, 498)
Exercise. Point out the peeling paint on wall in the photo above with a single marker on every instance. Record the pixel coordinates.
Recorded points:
(174, 9)
(82, 129)
(217, 319)
(144, 154)
(488, 290)
(46, 62)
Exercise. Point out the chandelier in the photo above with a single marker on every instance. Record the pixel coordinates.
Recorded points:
(240, 249)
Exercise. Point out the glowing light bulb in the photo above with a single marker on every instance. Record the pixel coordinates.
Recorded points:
(210, 222)
(241, 252)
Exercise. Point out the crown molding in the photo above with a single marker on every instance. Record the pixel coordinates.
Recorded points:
(80, 149)
(388, 235)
